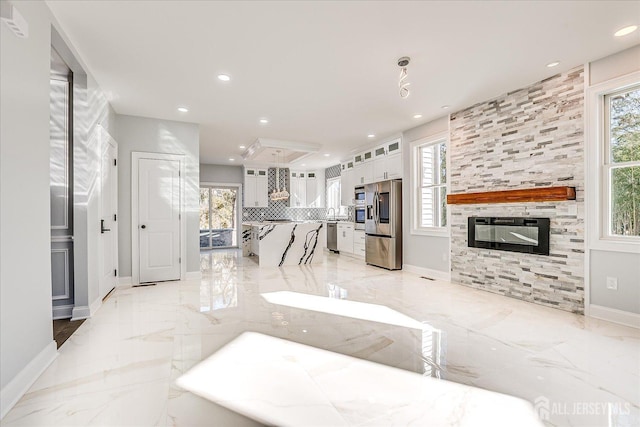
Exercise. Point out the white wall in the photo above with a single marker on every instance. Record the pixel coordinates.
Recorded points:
(25, 260)
(157, 136)
(430, 252)
(223, 174)
(25, 263)
(616, 65)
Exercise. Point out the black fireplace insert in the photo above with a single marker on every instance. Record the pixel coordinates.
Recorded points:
(514, 234)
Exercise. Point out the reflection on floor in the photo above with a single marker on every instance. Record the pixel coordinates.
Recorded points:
(120, 367)
(63, 329)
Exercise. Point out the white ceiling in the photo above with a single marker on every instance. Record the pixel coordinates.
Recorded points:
(325, 72)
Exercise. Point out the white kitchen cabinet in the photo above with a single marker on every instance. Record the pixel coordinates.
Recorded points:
(345, 237)
(358, 243)
(256, 188)
(394, 166)
(379, 163)
(347, 181)
(363, 173)
(387, 161)
(298, 189)
(306, 189)
(363, 170)
(311, 188)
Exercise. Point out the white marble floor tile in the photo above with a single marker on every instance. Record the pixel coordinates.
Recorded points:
(120, 367)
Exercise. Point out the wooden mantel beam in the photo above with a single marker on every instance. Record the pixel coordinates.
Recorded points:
(542, 194)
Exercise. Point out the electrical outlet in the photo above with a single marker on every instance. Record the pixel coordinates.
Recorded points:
(612, 283)
(444, 257)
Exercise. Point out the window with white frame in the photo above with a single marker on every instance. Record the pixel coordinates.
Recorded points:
(621, 164)
(333, 194)
(429, 159)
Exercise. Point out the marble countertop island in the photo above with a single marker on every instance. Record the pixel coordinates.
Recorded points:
(284, 243)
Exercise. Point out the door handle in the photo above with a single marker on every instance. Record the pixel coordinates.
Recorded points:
(143, 226)
(102, 229)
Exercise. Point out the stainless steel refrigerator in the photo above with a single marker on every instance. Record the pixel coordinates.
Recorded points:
(383, 224)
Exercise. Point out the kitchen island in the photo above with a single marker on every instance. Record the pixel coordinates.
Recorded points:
(284, 243)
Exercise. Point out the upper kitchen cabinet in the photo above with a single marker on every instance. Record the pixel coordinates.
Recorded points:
(387, 162)
(307, 189)
(347, 182)
(363, 170)
(256, 188)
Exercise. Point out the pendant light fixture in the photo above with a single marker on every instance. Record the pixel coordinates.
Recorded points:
(402, 84)
(276, 194)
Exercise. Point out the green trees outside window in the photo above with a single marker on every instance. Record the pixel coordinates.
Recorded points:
(622, 163)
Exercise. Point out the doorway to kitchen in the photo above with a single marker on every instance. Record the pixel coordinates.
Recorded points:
(219, 215)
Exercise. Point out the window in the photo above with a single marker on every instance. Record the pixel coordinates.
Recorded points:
(333, 194)
(218, 216)
(612, 186)
(621, 164)
(429, 158)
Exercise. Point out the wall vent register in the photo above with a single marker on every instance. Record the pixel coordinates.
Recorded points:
(514, 234)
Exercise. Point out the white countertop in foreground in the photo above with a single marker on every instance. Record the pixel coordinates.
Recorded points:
(279, 382)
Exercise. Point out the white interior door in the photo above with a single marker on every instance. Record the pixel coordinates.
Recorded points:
(108, 218)
(159, 219)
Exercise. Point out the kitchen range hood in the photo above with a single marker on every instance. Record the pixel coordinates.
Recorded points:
(263, 151)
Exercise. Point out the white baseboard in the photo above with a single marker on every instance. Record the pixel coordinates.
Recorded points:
(123, 282)
(613, 315)
(19, 385)
(428, 272)
(80, 312)
(95, 306)
(193, 275)
(62, 311)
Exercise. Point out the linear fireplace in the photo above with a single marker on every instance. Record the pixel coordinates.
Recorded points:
(515, 234)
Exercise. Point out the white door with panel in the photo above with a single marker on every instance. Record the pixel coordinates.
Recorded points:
(108, 216)
(159, 219)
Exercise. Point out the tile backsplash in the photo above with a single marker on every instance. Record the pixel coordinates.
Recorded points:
(280, 209)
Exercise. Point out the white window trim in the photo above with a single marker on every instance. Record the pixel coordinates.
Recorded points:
(414, 185)
(340, 211)
(239, 206)
(597, 238)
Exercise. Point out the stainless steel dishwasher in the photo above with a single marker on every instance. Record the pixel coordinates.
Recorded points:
(332, 236)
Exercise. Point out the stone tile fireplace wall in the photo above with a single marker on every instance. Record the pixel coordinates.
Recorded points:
(532, 137)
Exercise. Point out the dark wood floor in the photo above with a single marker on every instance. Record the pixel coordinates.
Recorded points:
(64, 328)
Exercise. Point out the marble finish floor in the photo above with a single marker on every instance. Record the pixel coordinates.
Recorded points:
(120, 367)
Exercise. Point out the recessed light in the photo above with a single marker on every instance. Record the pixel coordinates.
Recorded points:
(371, 135)
(232, 159)
(242, 147)
(183, 109)
(626, 30)
(264, 121)
(327, 154)
(417, 116)
(444, 107)
(553, 64)
(224, 77)
(304, 164)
